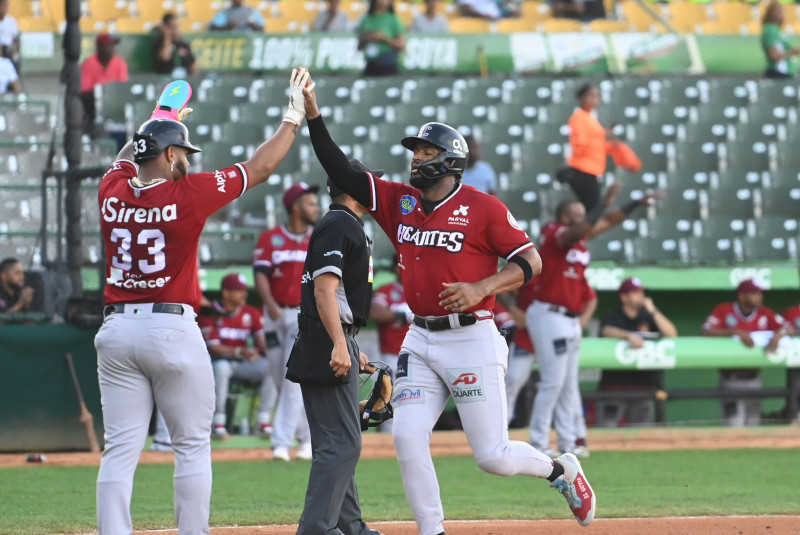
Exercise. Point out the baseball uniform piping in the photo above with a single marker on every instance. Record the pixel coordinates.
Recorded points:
(244, 178)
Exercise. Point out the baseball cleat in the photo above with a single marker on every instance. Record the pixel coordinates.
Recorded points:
(281, 454)
(304, 452)
(551, 452)
(160, 446)
(220, 432)
(574, 486)
(265, 430)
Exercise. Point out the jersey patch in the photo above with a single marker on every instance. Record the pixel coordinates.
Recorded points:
(466, 384)
(277, 240)
(512, 221)
(730, 320)
(402, 371)
(407, 204)
(409, 395)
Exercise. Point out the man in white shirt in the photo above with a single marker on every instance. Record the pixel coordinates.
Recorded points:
(9, 80)
(332, 19)
(9, 32)
(478, 174)
(489, 9)
(431, 21)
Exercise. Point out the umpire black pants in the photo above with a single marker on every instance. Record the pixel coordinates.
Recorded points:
(332, 506)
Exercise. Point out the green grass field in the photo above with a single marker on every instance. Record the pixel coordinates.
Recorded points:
(47, 499)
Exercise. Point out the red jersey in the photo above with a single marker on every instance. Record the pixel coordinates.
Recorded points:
(283, 255)
(459, 241)
(151, 233)
(391, 335)
(562, 281)
(729, 316)
(792, 317)
(502, 318)
(523, 339)
(231, 329)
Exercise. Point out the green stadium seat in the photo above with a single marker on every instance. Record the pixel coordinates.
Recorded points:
(609, 248)
(771, 226)
(392, 157)
(504, 133)
(509, 114)
(477, 92)
(770, 248)
(113, 97)
(411, 113)
(530, 92)
(331, 92)
(645, 181)
(698, 156)
(619, 113)
(556, 114)
(243, 134)
(429, 91)
(670, 227)
(680, 203)
(778, 93)
(708, 133)
(271, 92)
(632, 91)
(523, 204)
(225, 91)
(542, 157)
(730, 92)
(723, 227)
(393, 132)
(735, 177)
(522, 180)
(378, 91)
(783, 201)
(709, 250)
(654, 133)
(690, 179)
(766, 112)
(757, 131)
(677, 92)
(733, 203)
(718, 113)
(786, 177)
(788, 154)
(745, 156)
(667, 114)
(230, 252)
(455, 114)
(499, 155)
(654, 156)
(655, 250)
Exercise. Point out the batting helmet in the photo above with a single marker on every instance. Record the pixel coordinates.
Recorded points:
(450, 141)
(157, 135)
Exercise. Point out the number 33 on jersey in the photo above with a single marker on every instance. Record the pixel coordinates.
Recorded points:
(151, 233)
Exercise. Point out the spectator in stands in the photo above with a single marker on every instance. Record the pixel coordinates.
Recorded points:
(99, 69)
(171, 54)
(489, 9)
(431, 21)
(478, 174)
(636, 320)
(332, 19)
(584, 10)
(227, 333)
(781, 62)
(237, 18)
(381, 38)
(9, 33)
(587, 138)
(755, 325)
(14, 295)
(9, 79)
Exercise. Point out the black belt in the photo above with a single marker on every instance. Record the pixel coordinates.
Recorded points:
(308, 323)
(442, 323)
(160, 308)
(562, 310)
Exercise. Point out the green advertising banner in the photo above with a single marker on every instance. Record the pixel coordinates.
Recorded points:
(686, 353)
(586, 52)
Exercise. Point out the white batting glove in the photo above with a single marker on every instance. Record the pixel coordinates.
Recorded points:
(297, 110)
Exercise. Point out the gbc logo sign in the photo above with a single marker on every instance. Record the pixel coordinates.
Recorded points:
(658, 355)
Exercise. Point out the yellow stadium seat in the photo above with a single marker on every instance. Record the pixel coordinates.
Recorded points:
(733, 12)
(201, 10)
(299, 11)
(285, 25)
(685, 16)
(716, 27)
(132, 25)
(789, 12)
(793, 28)
(469, 25)
(609, 26)
(151, 10)
(752, 28)
(515, 25)
(406, 12)
(53, 10)
(91, 25)
(639, 19)
(21, 9)
(109, 9)
(561, 26)
(355, 10)
(37, 24)
(535, 11)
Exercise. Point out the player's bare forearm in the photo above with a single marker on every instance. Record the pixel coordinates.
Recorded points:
(713, 331)
(609, 331)
(260, 342)
(588, 312)
(665, 326)
(127, 151)
(225, 351)
(270, 154)
(381, 314)
(265, 291)
(325, 286)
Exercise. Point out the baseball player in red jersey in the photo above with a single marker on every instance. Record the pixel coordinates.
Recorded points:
(449, 238)
(754, 324)
(227, 329)
(559, 303)
(792, 317)
(278, 261)
(520, 363)
(393, 316)
(150, 347)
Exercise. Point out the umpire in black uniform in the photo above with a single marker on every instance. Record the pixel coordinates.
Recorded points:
(325, 360)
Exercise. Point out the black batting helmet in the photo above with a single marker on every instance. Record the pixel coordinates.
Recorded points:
(450, 141)
(157, 135)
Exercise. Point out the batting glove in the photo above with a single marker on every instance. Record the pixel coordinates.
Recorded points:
(297, 110)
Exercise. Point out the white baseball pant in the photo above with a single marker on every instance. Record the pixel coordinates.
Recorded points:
(520, 364)
(557, 339)
(468, 363)
(290, 419)
(144, 357)
(161, 433)
(257, 372)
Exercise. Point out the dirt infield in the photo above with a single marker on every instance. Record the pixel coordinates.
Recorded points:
(455, 443)
(774, 525)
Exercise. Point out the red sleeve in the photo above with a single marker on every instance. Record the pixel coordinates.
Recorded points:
(504, 235)
(209, 329)
(716, 319)
(588, 292)
(208, 192)
(262, 254)
(380, 297)
(385, 204)
(774, 321)
(258, 321)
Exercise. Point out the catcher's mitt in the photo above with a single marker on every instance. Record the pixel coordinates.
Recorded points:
(377, 408)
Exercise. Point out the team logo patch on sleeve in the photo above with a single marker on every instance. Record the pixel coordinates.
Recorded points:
(466, 384)
(277, 241)
(407, 204)
(730, 320)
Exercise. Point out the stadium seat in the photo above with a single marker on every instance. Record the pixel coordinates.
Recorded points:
(556, 114)
(232, 92)
(680, 203)
(719, 27)
(768, 113)
(561, 26)
(686, 16)
(657, 250)
(654, 156)
(523, 204)
(688, 178)
(734, 14)
(542, 157)
(753, 27)
(333, 92)
(517, 115)
(652, 133)
(678, 92)
(788, 154)
(378, 91)
(391, 156)
(671, 227)
(769, 248)
(469, 25)
(230, 252)
(503, 133)
(733, 203)
(241, 133)
(667, 114)
(699, 157)
(530, 92)
(718, 113)
(776, 226)
(499, 155)
(520, 25)
(609, 26)
(781, 201)
(478, 92)
(529, 180)
(785, 177)
(749, 156)
(431, 91)
(723, 227)
(639, 19)
(777, 93)
(411, 113)
(709, 250)
(708, 132)
(734, 177)
(535, 11)
(609, 248)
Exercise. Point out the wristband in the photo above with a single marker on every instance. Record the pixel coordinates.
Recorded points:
(527, 270)
(293, 116)
(629, 207)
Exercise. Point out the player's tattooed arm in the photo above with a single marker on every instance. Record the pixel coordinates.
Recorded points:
(461, 296)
